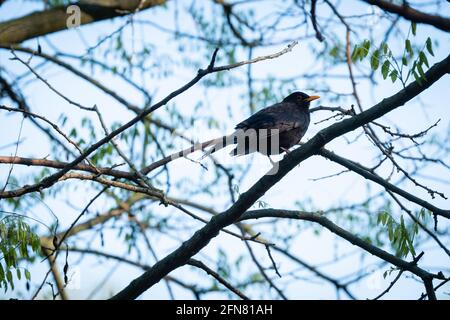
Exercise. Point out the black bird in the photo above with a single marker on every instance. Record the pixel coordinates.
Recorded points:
(286, 121)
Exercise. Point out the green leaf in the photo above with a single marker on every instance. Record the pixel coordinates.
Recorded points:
(380, 217)
(409, 47)
(334, 51)
(397, 234)
(366, 47)
(423, 58)
(393, 75)
(416, 76)
(35, 244)
(416, 228)
(355, 53)
(73, 133)
(420, 69)
(9, 277)
(19, 274)
(385, 69)
(390, 232)
(385, 47)
(27, 275)
(410, 245)
(429, 46)
(375, 60)
(404, 61)
(413, 28)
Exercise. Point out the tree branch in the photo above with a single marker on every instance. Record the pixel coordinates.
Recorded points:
(50, 180)
(325, 222)
(366, 173)
(55, 19)
(201, 265)
(414, 15)
(319, 35)
(60, 165)
(202, 237)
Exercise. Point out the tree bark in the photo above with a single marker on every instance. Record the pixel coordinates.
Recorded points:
(414, 15)
(55, 19)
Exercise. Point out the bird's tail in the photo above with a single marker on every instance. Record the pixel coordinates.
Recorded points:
(218, 144)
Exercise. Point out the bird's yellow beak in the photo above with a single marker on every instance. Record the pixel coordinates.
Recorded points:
(311, 98)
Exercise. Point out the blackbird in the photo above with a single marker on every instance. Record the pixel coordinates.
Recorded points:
(285, 123)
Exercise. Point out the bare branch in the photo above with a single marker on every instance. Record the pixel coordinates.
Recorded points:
(319, 35)
(201, 265)
(368, 174)
(325, 222)
(50, 180)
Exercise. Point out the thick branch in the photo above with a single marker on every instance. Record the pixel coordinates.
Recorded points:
(414, 15)
(55, 19)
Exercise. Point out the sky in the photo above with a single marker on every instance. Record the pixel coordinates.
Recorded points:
(296, 185)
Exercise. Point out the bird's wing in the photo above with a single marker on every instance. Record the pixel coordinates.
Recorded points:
(282, 116)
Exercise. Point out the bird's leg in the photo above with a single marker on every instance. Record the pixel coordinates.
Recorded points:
(275, 166)
(285, 150)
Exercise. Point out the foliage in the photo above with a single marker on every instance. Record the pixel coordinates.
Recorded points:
(392, 65)
(16, 241)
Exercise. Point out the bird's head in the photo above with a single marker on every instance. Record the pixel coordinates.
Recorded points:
(300, 98)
